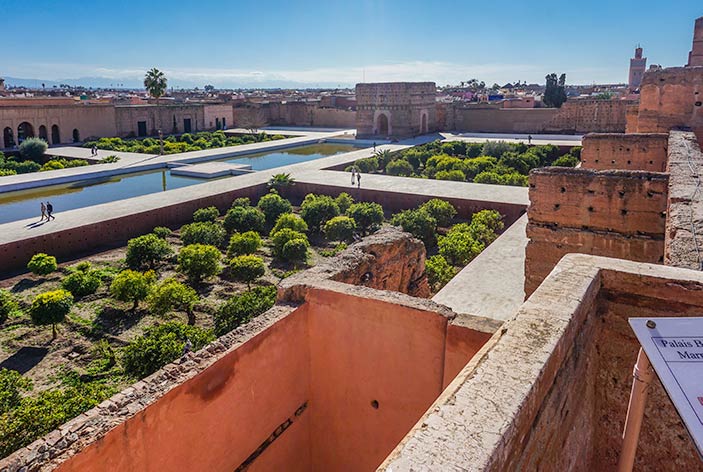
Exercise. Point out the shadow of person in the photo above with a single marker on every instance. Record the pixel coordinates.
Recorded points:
(36, 224)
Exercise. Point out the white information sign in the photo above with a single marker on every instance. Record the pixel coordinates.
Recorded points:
(675, 349)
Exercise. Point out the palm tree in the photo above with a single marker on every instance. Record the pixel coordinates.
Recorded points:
(155, 83)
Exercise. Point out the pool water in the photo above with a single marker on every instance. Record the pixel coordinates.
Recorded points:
(25, 204)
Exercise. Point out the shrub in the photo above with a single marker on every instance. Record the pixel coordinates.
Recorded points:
(368, 216)
(367, 165)
(438, 271)
(399, 167)
(340, 228)
(109, 159)
(488, 218)
(33, 148)
(8, 305)
(419, 223)
(24, 167)
(210, 213)
(344, 201)
(567, 160)
(247, 268)
(453, 175)
(514, 179)
(241, 202)
(82, 282)
(495, 148)
(51, 165)
(11, 385)
(169, 295)
(162, 232)
(272, 205)
(146, 250)
(132, 286)
(160, 345)
(317, 209)
(241, 308)
(240, 219)
(243, 243)
(441, 210)
(280, 238)
(576, 151)
(296, 250)
(292, 221)
(203, 233)
(4, 172)
(199, 261)
(42, 264)
(458, 248)
(49, 308)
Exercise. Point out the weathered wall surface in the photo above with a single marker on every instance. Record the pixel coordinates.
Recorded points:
(684, 225)
(498, 120)
(168, 118)
(213, 113)
(403, 103)
(590, 116)
(608, 213)
(625, 151)
(333, 118)
(671, 98)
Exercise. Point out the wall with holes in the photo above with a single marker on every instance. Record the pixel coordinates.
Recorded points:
(616, 213)
(604, 151)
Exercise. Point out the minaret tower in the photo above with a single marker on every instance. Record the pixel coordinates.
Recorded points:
(695, 57)
(638, 65)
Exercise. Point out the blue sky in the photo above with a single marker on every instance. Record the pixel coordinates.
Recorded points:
(250, 43)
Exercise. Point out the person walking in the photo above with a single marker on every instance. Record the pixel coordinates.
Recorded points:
(374, 146)
(43, 212)
(49, 211)
(353, 175)
(529, 139)
(358, 179)
(95, 150)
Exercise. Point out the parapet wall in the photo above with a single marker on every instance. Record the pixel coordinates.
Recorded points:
(590, 116)
(625, 151)
(618, 214)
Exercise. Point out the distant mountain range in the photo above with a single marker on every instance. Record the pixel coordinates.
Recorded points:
(103, 82)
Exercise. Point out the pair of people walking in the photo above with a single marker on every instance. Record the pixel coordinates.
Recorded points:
(356, 177)
(46, 211)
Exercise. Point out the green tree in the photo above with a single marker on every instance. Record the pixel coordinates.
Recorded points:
(438, 271)
(292, 221)
(160, 345)
(12, 384)
(33, 148)
(399, 167)
(241, 219)
(247, 268)
(209, 214)
(199, 261)
(280, 238)
(49, 308)
(132, 286)
(567, 160)
(8, 305)
(441, 210)
(241, 308)
(169, 295)
(42, 264)
(296, 250)
(368, 216)
(82, 281)
(344, 201)
(155, 83)
(272, 205)
(419, 223)
(459, 248)
(317, 209)
(146, 250)
(243, 243)
(162, 232)
(340, 228)
(205, 232)
(555, 91)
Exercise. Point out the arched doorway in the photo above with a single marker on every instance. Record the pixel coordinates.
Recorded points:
(76, 136)
(423, 123)
(24, 131)
(382, 125)
(42, 133)
(55, 135)
(8, 137)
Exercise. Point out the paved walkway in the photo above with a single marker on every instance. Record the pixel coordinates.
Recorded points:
(493, 284)
(537, 139)
(74, 152)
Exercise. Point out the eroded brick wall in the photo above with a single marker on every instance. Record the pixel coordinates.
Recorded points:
(625, 151)
(607, 213)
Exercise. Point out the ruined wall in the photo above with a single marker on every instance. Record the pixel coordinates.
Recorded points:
(403, 103)
(625, 151)
(168, 118)
(485, 119)
(608, 213)
(684, 224)
(671, 98)
(589, 116)
(214, 112)
(333, 118)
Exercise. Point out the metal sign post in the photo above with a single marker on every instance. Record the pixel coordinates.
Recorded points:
(674, 347)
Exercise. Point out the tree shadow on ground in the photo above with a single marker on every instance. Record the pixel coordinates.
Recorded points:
(25, 359)
(114, 321)
(26, 284)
